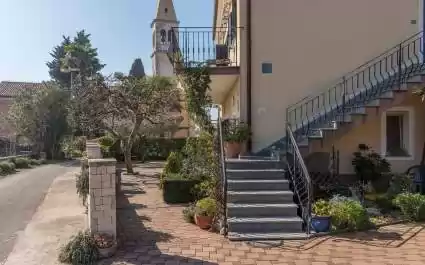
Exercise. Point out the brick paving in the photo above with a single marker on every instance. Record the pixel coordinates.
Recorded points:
(152, 232)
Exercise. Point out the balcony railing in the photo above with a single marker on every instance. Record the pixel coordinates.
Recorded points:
(213, 47)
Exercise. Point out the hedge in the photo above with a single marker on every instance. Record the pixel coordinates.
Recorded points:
(178, 190)
(149, 148)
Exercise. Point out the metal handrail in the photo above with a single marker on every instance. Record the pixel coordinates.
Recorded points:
(305, 203)
(379, 75)
(352, 72)
(223, 168)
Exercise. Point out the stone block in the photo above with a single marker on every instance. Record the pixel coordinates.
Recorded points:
(95, 182)
(99, 207)
(108, 192)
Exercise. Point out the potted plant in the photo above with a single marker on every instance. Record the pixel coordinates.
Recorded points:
(106, 245)
(321, 219)
(234, 135)
(205, 211)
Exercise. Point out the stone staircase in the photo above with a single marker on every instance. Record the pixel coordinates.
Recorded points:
(260, 202)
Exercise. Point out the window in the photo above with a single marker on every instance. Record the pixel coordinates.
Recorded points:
(163, 35)
(170, 35)
(397, 129)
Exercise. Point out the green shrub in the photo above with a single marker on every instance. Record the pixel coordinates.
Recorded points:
(76, 153)
(174, 163)
(400, 183)
(370, 166)
(178, 189)
(349, 215)
(206, 207)
(7, 168)
(235, 131)
(22, 162)
(322, 208)
(35, 162)
(412, 205)
(82, 182)
(106, 143)
(81, 250)
(189, 214)
(200, 163)
(384, 203)
(79, 143)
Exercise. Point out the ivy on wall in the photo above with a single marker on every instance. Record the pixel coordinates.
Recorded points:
(196, 84)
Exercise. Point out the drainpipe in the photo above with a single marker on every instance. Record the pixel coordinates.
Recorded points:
(249, 67)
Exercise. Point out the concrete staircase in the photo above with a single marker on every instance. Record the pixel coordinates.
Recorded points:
(260, 202)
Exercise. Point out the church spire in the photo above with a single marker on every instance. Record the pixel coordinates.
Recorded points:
(165, 11)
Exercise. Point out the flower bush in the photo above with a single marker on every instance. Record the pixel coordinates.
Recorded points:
(104, 240)
(81, 250)
(206, 207)
(322, 208)
(412, 205)
(346, 214)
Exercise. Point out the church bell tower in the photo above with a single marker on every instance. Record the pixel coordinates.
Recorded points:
(162, 36)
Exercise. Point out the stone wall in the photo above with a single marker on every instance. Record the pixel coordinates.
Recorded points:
(102, 208)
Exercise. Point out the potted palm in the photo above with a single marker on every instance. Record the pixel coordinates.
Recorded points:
(234, 135)
(106, 245)
(321, 219)
(205, 211)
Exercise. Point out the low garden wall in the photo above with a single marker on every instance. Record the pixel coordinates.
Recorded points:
(102, 192)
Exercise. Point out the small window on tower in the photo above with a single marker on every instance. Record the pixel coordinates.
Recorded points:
(163, 35)
(166, 10)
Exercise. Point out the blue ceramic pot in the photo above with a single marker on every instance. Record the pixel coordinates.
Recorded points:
(321, 224)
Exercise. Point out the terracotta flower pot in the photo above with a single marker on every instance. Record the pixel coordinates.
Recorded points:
(232, 149)
(204, 222)
(107, 252)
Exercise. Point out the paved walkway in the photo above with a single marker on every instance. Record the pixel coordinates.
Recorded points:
(20, 195)
(60, 216)
(155, 233)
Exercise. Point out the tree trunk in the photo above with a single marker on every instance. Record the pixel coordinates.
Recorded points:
(127, 157)
(128, 144)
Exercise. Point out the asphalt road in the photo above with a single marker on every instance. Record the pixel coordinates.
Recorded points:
(20, 195)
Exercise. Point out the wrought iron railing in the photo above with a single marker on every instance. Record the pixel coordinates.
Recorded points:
(386, 72)
(223, 176)
(214, 47)
(300, 179)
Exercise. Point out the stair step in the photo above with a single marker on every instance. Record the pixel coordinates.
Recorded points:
(233, 236)
(261, 210)
(253, 164)
(260, 197)
(255, 174)
(265, 224)
(257, 184)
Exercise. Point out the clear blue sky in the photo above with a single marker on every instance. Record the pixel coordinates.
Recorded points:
(120, 30)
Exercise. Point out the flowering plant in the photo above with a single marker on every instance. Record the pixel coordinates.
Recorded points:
(104, 240)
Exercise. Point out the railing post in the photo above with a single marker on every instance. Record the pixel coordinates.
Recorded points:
(344, 93)
(223, 168)
(399, 59)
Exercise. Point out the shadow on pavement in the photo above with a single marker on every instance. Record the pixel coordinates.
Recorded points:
(138, 242)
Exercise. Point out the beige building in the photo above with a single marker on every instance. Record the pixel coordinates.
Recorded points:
(328, 69)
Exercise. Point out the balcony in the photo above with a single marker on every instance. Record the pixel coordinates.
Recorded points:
(216, 48)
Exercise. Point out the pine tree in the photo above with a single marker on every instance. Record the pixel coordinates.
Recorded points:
(137, 68)
(82, 56)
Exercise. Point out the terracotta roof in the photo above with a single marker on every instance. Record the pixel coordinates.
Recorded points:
(12, 89)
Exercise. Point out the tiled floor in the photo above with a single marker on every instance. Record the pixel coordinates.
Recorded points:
(153, 232)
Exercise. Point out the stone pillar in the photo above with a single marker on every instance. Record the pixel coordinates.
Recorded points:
(102, 198)
(93, 150)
